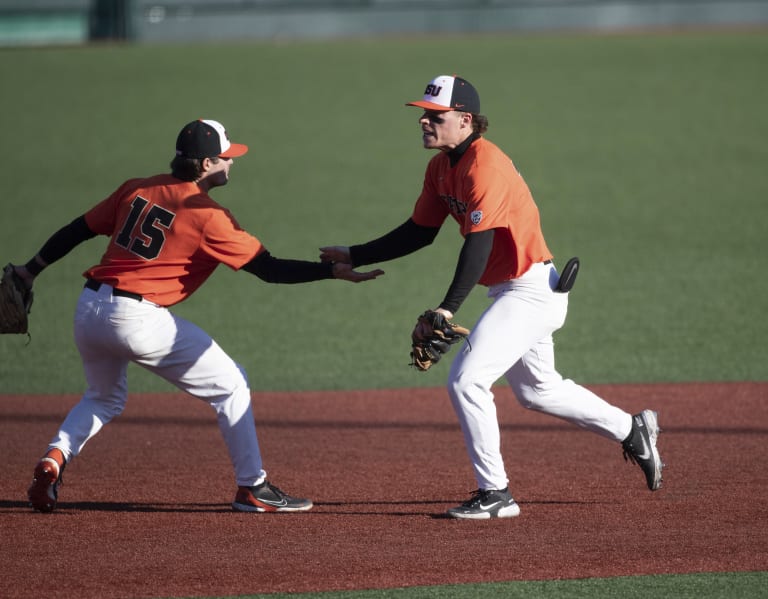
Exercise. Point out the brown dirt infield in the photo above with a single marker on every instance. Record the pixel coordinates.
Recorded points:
(144, 511)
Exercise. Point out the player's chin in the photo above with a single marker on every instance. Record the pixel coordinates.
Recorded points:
(429, 141)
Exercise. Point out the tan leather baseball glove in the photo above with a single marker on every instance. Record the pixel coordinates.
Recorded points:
(432, 337)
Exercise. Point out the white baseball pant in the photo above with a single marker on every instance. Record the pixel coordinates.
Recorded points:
(513, 338)
(112, 331)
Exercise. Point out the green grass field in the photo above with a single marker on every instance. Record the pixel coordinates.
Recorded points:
(646, 154)
(703, 586)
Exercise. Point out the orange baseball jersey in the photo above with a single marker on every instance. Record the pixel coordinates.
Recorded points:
(485, 191)
(167, 238)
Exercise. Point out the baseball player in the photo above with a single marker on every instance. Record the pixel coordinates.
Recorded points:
(166, 237)
(474, 182)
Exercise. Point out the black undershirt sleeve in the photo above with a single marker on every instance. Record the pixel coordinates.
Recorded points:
(473, 259)
(405, 239)
(65, 240)
(280, 270)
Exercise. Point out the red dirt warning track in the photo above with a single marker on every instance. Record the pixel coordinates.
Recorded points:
(144, 511)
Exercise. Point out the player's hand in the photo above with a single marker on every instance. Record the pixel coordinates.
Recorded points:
(24, 275)
(344, 271)
(335, 253)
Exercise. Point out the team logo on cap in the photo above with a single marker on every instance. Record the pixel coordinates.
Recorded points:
(449, 93)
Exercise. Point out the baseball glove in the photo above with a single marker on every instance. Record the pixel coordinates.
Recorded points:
(432, 337)
(15, 302)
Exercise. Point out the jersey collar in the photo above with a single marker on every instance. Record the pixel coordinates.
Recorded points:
(455, 155)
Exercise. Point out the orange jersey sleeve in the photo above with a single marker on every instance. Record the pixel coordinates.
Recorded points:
(485, 191)
(166, 238)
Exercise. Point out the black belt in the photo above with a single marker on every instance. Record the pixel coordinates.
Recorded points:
(95, 286)
(547, 262)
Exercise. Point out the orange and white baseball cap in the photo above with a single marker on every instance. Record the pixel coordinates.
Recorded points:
(448, 92)
(205, 139)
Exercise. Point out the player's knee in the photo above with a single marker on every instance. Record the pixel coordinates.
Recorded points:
(464, 387)
(457, 385)
(528, 396)
(107, 405)
(234, 383)
(243, 374)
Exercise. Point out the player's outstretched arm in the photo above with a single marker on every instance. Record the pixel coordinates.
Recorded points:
(58, 245)
(283, 270)
(401, 241)
(344, 271)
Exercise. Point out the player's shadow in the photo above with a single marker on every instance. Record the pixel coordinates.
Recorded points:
(326, 508)
(69, 507)
(323, 508)
(390, 508)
